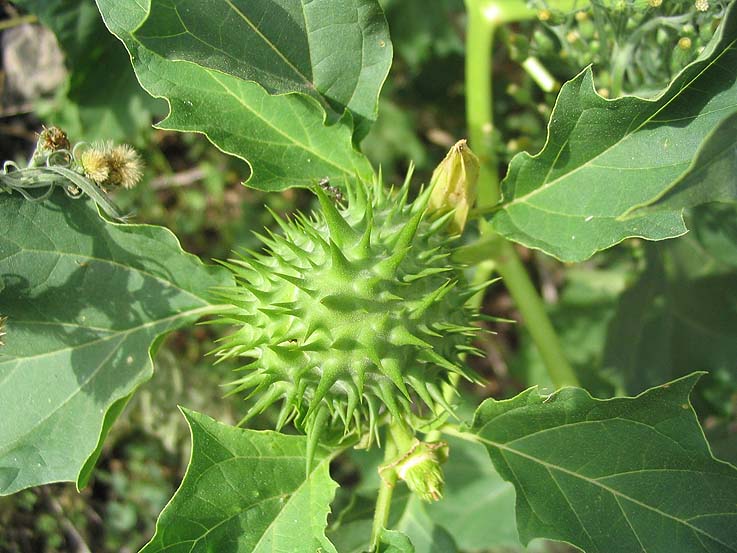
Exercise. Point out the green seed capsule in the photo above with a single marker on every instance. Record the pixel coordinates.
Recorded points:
(421, 470)
(354, 313)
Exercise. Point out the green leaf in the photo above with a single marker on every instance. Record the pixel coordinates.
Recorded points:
(611, 476)
(392, 541)
(85, 299)
(103, 99)
(712, 176)
(283, 138)
(425, 534)
(477, 508)
(336, 52)
(581, 316)
(604, 157)
(246, 491)
(679, 314)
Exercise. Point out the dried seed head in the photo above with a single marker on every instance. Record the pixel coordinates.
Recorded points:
(93, 162)
(124, 166)
(52, 139)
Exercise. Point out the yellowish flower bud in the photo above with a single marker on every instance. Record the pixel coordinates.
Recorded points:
(701, 5)
(454, 184)
(94, 164)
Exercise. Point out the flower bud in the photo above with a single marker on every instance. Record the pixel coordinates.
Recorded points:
(454, 184)
(421, 471)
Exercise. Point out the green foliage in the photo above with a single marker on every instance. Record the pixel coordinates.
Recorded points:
(356, 323)
(673, 319)
(283, 138)
(635, 45)
(338, 54)
(643, 462)
(246, 491)
(85, 300)
(604, 158)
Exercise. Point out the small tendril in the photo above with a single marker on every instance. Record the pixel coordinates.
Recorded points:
(55, 163)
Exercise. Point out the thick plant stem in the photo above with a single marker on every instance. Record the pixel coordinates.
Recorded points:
(483, 18)
(479, 39)
(398, 440)
(531, 305)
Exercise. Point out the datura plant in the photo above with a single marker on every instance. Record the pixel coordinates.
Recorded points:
(352, 324)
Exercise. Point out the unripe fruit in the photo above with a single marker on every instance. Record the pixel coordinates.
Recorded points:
(421, 469)
(353, 312)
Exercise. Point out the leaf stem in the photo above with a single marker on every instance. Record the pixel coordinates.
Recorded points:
(483, 18)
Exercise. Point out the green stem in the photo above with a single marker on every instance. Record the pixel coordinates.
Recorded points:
(535, 316)
(386, 489)
(479, 43)
(479, 40)
(16, 21)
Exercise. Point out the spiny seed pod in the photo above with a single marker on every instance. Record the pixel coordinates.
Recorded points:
(353, 312)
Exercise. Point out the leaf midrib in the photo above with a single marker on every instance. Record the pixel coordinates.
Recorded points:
(121, 335)
(546, 185)
(290, 138)
(271, 45)
(235, 457)
(594, 482)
